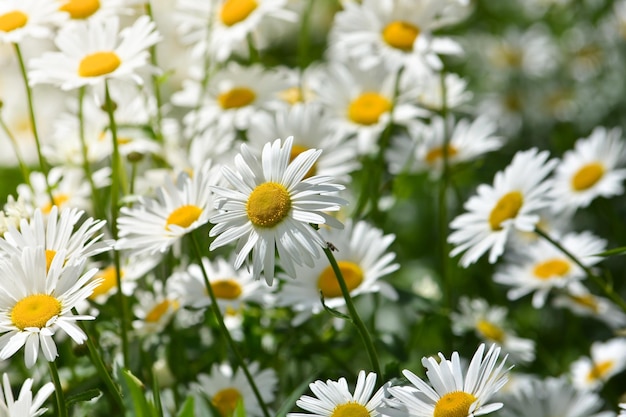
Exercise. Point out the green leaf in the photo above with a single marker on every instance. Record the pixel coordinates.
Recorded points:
(611, 252)
(240, 410)
(332, 311)
(135, 396)
(83, 396)
(187, 410)
(294, 396)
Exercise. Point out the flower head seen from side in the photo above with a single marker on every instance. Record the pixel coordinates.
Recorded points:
(155, 224)
(35, 303)
(333, 398)
(582, 302)
(512, 202)
(94, 51)
(591, 170)
(271, 208)
(607, 359)
(20, 19)
(454, 392)
(542, 267)
(225, 388)
(25, 405)
(363, 257)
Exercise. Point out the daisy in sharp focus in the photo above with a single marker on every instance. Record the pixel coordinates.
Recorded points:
(394, 32)
(20, 19)
(542, 267)
(335, 400)
(594, 168)
(606, 360)
(455, 391)
(25, 405)
(510, 203)
(38, 301)
(489, 324)
(271, 208)
(363, 258)
(224, 388)
(94, 51)
(155, 224)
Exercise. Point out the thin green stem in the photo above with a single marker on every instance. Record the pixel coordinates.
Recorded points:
(115, 191)
(354, 315)
(220, 320)
(155, 82)
(85, 153)
(58, 390)
(304, 36)
(255, 57)
(604, 286)
(18, 154)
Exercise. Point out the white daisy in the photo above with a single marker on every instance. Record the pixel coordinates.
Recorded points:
(20, 19)
(428, 92)
(37, 302)
(581, 302)
(94, 51)
(225, 388)
(510, 203)
(154, 311)
(363, 258)
(25, 405)
(271, 208)
(607, 359)
(422, 149)
(590, 170)
(455, 392)
(489, 324)
(155, 224)
(334, 398)
(308, 125)
(79, 10)
(394, 32)
(552, 397)
(542, 267)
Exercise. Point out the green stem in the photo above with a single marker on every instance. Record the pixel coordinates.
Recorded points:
(255, 57)
(85, 153)
(155, 82)
(18, 154)
(58, 390)
(220, 320)
(304, 36)
(354, 315)
(606, 287)
(115, 190)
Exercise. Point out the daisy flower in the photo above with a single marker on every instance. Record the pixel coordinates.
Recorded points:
(308, 125)
(25, 405)
(581, 302)
(552, 397)
(590, 170)
(79, 10)
(38, 301)
(543, 267)
(363, 258)
(154, 311)
(94, 51)
(455, 392)
(607, 359)
(510, 203)
(334, 398)
(422, 149)
(155, 224)
(20, 19)
(271, 208)
(489, 324)
(225, 388)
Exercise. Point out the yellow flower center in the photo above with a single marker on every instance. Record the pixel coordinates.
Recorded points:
(12, 20)
(350, 410)
(59, 200)
(268, 204)
(159, 310)
(80, 9)
(587, 176)
(183, 216)
(506, 208)
(437, 153)
(236, 98)
(401, 35)
(35, 311)
(109, 281)
(599, 370)
(234, 11)
(329, 285)
(551, 268)
(226, 401)
(292, 95)
(490, 331)
(367, 108)
(49, 257)
(297, 150)
(98, 63)
(586, 301)
(454, 404)
(226, 289)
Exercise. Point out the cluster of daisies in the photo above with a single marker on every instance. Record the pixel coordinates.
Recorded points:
(213, 192)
